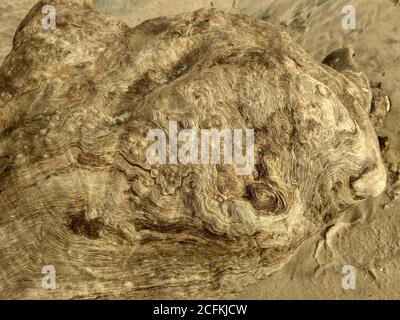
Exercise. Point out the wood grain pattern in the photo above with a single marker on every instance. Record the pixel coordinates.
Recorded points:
(76, 191)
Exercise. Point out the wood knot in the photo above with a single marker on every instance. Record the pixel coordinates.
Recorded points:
(264, 198)
(80, 225)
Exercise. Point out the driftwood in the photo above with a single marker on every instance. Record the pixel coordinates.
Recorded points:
(78, 193)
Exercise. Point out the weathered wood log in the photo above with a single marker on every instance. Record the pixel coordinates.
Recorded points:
(78, 193)
(377, 103)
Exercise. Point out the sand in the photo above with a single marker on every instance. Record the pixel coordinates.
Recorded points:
(366, 236)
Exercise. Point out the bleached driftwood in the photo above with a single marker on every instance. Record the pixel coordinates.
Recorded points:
(77, 192)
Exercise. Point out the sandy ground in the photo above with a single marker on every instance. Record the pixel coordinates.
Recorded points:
(366, 236)
(11, 14)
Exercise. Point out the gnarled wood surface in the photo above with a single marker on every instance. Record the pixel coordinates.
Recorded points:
(77, 193)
